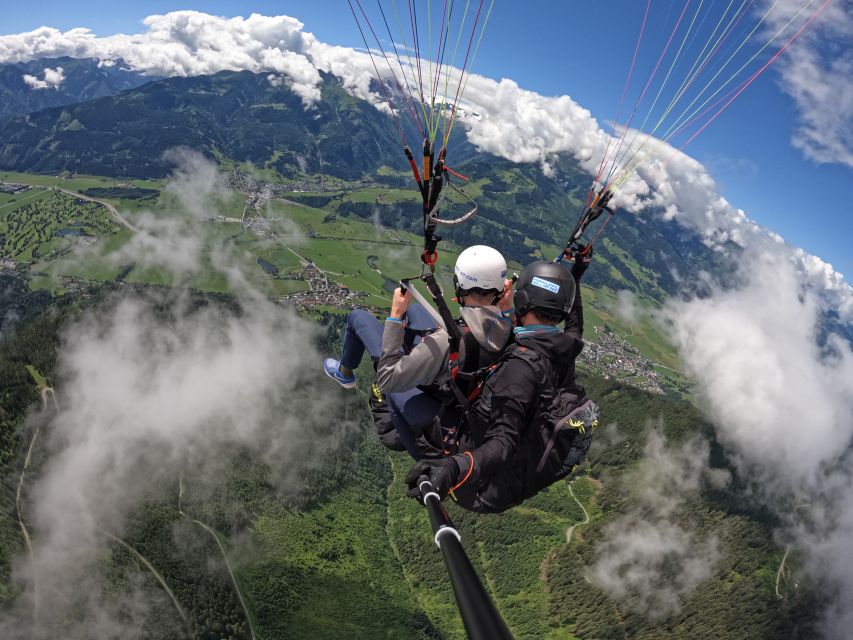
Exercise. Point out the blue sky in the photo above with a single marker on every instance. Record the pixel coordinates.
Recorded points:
(581, 49)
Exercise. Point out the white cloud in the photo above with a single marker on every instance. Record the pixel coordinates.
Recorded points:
(172, 242)
(647, 556)
(816, 72)
(149, 388)
(782, 404)
(154, 386)
(627, 308)
(185, 43)
(53, 78)
(774, 376)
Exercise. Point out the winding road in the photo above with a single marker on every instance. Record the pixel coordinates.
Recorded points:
(571, 530)
(224, 556)
(781, 571)
(49, 392)
(157, 575)
(231, 573)
(45, 392)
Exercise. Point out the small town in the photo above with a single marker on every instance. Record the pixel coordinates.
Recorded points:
(618, 359)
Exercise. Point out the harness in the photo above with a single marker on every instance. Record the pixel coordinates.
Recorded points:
(555, 441)
(466, 386)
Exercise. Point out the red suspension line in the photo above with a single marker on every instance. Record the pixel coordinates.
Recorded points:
(730, 31)
(413, 19)
(616, 160)
(379, 77)
(589, 196)
(752, 78)
(462, 73)
(442, 37)
(406, 98)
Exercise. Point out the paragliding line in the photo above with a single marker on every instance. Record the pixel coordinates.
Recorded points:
(618, 110)
(462, 85)
(651, 77)
(754, 76)
(636, 158)
(378, 76)
(406, 96)
(400, 63)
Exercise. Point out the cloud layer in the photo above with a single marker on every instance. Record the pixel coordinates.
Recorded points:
(781, 400)
(647, 556)
(152, 386)
(185, 43)
(816, 74)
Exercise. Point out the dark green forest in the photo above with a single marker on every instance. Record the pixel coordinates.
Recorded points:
(82, 80)
(348, 555)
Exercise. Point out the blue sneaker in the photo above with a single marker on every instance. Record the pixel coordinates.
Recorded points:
(332, 369)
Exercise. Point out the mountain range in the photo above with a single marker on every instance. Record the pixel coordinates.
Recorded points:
(238, 115)
(25, 87)
(245, 118)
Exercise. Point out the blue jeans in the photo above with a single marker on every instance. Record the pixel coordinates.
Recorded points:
(364, 332)
(409, 410)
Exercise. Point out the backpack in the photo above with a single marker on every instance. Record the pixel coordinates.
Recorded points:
(552, 445)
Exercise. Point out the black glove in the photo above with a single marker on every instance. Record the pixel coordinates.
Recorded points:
(443, 473)
(582, 258)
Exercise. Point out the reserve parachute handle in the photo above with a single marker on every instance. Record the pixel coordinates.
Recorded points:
(479, 615)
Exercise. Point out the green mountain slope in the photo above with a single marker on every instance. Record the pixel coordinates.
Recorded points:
(238, 115)
(241, 118)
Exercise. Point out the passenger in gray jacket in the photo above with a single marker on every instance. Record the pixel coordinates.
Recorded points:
(408, 372)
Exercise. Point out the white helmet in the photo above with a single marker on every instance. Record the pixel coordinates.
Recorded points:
(479, 267)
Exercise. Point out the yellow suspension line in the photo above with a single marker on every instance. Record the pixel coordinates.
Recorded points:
(629, 169)
(442, 121)
(409, 61)
(465, 84)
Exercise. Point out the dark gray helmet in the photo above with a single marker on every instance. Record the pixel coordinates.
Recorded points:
(544, 285)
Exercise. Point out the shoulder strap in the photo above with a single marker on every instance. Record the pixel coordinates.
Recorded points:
(471, 355)
(537, 361)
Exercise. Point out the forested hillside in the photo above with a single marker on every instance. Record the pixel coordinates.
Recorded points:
(348, 555)
(237, 115)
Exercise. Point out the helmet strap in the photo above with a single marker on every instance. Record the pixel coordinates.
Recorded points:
(459, 291)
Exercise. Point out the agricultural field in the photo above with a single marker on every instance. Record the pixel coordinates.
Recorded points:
(63, 240)
(46, 224)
